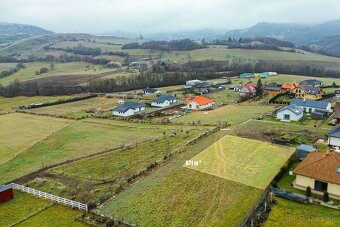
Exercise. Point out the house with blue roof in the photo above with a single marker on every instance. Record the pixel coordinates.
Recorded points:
(290, 113)
(311, 83)
(164, 101)
(128, 109)
(311, 106)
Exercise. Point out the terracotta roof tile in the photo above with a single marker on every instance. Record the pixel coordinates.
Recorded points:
(200, 100)
(320, 166)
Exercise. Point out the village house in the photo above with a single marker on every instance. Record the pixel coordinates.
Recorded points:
(164, 101)
(150, 91)
(199, 103)
(311, 83)
(248, 90)
(334, 136)
(321, 172)
(308, 92)
(337, 94)
(310, 106)
(274, 90)
(290, 113)
(289, 86)
(128, 109)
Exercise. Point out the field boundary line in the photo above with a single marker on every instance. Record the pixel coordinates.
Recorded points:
(44, 138)
(33, 214)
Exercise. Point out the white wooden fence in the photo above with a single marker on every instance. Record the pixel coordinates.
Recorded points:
(68, 202)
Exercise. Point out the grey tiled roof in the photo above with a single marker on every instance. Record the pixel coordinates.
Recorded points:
(128, 105)
(163, 98)
(293, 108)
(310, 103)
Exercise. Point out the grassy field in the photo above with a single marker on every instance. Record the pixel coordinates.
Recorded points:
(124, 162)
(226, 96)
(266, 130)
(233, 114)
(22, 131)
(80, 108)
(56, 215)
(250, 162)
(289, 213)
(6, 66)
(77, 140)
(10, 104)
(27, 210)
(187, 198)
(60, 69)
(178, 196)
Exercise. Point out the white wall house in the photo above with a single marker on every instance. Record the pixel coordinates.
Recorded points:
(334, 136)
(290, 113)
(164, 101)
(199, 103)
(128, 109)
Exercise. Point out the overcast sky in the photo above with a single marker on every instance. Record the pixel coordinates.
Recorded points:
(149, 16)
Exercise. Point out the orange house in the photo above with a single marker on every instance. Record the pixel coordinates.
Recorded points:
(288, 86)
(273, 90)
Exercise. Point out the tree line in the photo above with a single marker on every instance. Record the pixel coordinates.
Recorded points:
(11, 71)
(173, 45)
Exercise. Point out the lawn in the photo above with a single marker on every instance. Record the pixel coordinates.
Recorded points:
(56, 215)
(226, 96)
(11, 104)
(21, 131)
(250, 162)
(266, 130)
(124, 162)
(36, 211)
(289, 213)
(28, 73)
(186, 198)
(233, 114)
(21, 207)
(77, 140)
(79, 109)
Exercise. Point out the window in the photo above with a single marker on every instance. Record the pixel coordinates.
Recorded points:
(320, 186)
(286, 117)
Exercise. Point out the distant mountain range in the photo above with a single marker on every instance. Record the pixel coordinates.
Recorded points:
(10, 32)
(296, 33)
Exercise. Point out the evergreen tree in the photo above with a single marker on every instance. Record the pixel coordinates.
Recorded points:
(259, 88)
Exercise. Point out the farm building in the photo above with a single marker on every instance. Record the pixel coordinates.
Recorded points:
(303, 150)
(310, 106)
(273, 90)
(334, 136)
(272, 73)
(6, 193)
(311, 83)
(191, 83)
(128, 109)
(164, 101)
(264, 75)
(199, 103)
(290, 113)
(308, 92)
(248, 90)
(321, 172)
(150, 91)
(288, 86)
(247, 75)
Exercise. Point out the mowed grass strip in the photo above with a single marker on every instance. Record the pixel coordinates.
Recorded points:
(289, 213)
(186, 198)
(76, 140)
(56, 215)
(124, 162)
(20, 131)
(22, 206)
(246, 161)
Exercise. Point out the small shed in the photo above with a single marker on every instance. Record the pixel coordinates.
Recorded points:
(303, 150)
(319, 114)
(6, 193)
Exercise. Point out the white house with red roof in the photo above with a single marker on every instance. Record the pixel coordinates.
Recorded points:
(248, 90)
(199, 103)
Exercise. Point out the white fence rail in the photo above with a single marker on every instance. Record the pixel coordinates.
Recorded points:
(68, 202)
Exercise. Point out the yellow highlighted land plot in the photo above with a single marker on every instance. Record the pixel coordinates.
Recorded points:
(246, 161)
